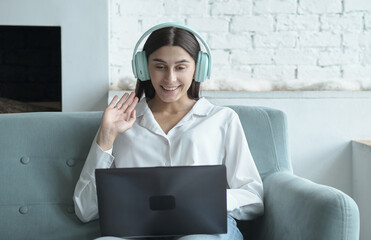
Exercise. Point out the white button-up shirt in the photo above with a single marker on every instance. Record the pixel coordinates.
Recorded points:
(207, 135)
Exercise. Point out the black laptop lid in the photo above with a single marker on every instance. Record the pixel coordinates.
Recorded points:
(162, 201)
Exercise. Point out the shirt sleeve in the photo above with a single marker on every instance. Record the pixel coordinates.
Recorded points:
(245, 193)
(85, 195)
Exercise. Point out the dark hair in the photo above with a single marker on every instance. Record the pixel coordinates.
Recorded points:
(169, 36)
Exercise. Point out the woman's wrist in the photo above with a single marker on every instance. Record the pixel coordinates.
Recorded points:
(105, 140)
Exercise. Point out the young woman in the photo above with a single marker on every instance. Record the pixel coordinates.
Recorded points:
(170, 122)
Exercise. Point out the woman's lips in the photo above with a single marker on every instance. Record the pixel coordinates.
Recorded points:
(170, 88)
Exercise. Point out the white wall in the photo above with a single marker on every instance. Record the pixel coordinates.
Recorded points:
(84, 26)
(361, 179)
(258, 45)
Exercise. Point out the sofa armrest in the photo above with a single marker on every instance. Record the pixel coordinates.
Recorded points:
(296, 208)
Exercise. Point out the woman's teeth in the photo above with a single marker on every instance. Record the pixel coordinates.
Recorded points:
(169, 89)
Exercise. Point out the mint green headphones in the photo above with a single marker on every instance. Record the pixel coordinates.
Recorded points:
(139, 61)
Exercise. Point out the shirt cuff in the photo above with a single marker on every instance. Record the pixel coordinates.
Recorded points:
(232, 202)
(109, 151)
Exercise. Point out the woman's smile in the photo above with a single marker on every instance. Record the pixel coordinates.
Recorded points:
(171, 69)
(170, 89)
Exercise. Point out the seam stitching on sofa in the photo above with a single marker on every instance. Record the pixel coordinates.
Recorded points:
(344, 207)
(267, 118)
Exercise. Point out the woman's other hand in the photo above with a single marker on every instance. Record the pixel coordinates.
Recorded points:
(117, 118)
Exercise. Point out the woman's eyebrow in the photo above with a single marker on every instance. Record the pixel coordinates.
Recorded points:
(162, 61)
(158, 60)
(182, 61)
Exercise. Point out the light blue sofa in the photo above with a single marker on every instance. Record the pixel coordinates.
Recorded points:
(42, 154)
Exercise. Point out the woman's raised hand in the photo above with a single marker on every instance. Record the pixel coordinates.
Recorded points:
(117, 118)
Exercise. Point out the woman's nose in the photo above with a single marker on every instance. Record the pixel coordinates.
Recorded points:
(171, 76)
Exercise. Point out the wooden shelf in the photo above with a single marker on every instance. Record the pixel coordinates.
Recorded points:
(365, 142)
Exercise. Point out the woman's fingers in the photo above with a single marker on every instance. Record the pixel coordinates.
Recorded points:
(122, 100)
(125, 101)
(131, 106)
(128, 101)
(113, 102)
(132, 118)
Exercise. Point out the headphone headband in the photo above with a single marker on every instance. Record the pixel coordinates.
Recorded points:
(177, 25)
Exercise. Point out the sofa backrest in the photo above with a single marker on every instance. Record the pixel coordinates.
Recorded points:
(42, 154)
(41, 157)
(267, 136)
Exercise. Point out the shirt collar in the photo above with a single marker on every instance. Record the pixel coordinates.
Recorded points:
(141, 107)
(201, 108)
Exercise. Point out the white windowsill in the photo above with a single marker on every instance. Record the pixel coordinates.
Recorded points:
(274, 94)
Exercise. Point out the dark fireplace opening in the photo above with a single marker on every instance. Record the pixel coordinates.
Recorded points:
(30, 69)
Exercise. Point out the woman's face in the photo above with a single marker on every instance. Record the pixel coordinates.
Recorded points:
(171, 69)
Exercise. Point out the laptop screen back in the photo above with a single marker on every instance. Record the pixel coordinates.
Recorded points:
(162, 201)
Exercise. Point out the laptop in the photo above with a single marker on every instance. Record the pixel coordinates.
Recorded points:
(162, 201)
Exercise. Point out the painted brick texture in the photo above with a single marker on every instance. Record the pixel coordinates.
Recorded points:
(257, 45)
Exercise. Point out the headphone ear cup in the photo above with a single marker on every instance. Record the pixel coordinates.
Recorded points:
(141, 66)
(202, 67)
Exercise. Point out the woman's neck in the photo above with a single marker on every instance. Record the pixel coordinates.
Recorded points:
(168, 115)
(181, 106)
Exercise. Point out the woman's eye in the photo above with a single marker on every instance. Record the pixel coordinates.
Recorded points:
(181, 67)
(160, 67)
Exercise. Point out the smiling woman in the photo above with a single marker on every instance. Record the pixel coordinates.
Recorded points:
(176, 37)
(161, 129)
(172, 71)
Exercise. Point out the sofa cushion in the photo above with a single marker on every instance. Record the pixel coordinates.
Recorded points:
(41, 158)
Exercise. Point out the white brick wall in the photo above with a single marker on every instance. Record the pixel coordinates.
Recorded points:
(258, 45)
(320, 6)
